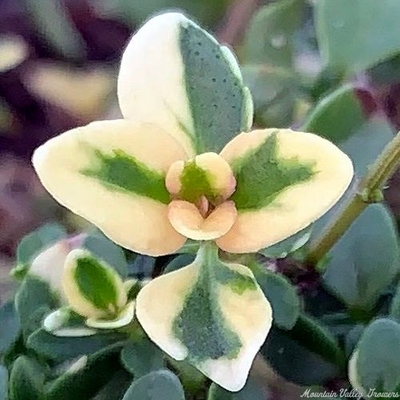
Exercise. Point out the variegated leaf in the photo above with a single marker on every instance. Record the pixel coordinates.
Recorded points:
(212, 314)
(49, 266)
(65, 323)
(375, 363)
(285, 181)
(124, 318)
(93, 289)
(174, 74)
(353, 374)
(113, 174)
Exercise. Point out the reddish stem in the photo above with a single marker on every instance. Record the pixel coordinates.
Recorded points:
(236, 21)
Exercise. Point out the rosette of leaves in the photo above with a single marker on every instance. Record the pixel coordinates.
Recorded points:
(183, 164)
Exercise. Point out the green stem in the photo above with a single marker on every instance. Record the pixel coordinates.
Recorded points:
(207, 253)
(368, 191)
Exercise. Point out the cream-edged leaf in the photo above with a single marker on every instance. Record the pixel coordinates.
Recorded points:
(113, 174)
(353, 374)
(211, 314)
(59, 323)
(285, 180)
(124, 318)
(375, 364)
(176, 75)
(49, 266)
(93, 288)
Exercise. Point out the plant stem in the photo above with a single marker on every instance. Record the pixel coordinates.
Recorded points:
(334, 230)
(237, 19)
(368, 191)
(207, 253)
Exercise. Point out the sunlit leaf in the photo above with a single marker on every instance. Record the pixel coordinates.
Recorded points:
(277, 185)
(211, 314)
(116, 180)
(199, 94)
(94, 290)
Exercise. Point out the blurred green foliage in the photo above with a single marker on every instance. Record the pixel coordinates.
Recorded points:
(356, 35)
(207, 12)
